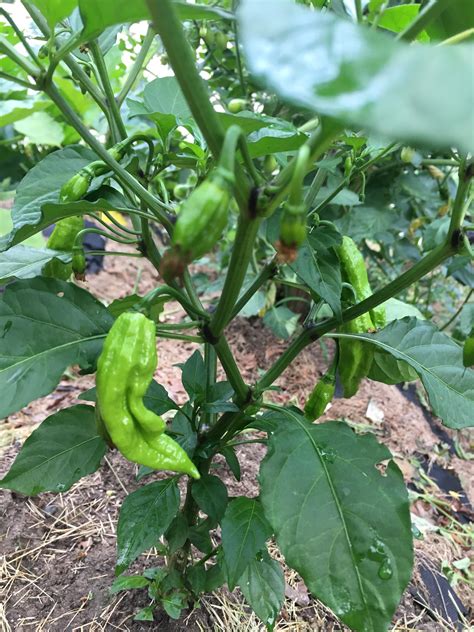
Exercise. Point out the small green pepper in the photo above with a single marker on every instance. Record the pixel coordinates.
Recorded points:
(468, 351)
(203, 216)
(321, 395)
(62, 238)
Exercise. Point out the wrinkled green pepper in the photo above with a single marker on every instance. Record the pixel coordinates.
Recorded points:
(124, 372)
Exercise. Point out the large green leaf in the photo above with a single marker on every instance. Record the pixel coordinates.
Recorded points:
(63, 449)
(338, 521)
(46, 325)
(55, 10)
(14, 110)
(96, 16)
(41, 129)
(399, 17)
(145, 515)
(41, 185)
(22, 262)
(263, 586)
(244, 533)
(361, 77)
(437, 360)
(29, 223)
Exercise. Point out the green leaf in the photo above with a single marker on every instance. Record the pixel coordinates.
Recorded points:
(397, 18)
(97, 16)
(177, 534)
(211, 496)
(363, 78)
(13, 110)
(437, 360)
(128, 582)
(46, 325)
(41, 129)
(145, 614)
(63, 449)
(164, 103)
(457, 17)
(268, 140)
(55, 10)
(230, 456)
(322, 274)
(144, 516)
(41, 185)
(22, 262)
(174, 603)
(244, 533)
(194, 375)
(282, 321)
(341, 524)
(263, 586)
(186, 436)
(396, 309)
(28, 224)
(199, 536)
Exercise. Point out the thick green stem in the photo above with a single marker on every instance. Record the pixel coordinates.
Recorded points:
(241, 253)
(122, 175)
(121, 132)
(466, 173)
(210, 362)
(181, 57)
(423, 19)
(232, 371)
(137, 65)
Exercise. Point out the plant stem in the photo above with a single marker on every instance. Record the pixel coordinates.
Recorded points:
(210, 362)
(120, 132)
(21, 37)
(466, 173)
(231, 369)
(425, 265)
(167, 290)
(266, 273)
(424, 17)
(318, 142)
(20, 82)
(137, 65)
(75, 68)
(181, 57)
(358, 8)
(457, 312)
(10, 51)
(172, 336)
(122, 175)
(241, 253)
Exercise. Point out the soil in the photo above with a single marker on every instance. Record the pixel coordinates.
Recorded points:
(58, 551)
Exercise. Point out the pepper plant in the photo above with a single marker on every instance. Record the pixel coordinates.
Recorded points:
(319, 100)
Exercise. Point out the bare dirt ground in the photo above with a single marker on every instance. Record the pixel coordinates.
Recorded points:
(58, 551)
